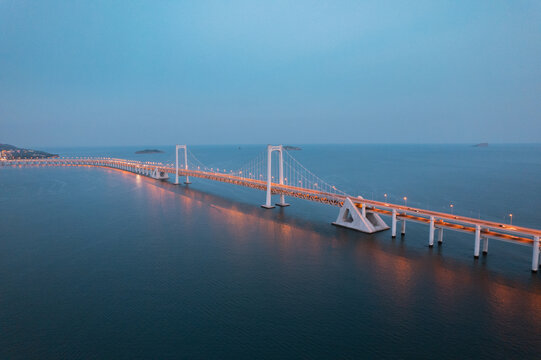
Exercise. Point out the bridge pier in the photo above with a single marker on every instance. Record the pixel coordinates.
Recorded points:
(431, 232)
(485, 245)
(403, 230)
(535, 254)
(158, 174)
(477, 242)
(350, 217)
(267, 204)
(440, 236)
(393, 224)
(282, 202)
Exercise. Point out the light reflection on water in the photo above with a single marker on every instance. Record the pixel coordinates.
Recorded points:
(395, 272)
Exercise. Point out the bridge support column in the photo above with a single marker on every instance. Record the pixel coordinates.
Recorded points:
(477, 242)
(187, 181)
(176, 165)
(431, 233)
(403, 231)
(393, 229)
(485, 245)
(282, 202)
(440, 236)
(269, 178)
(535, 254)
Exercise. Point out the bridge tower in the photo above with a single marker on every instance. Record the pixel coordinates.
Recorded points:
(270, 150)
(178, 147)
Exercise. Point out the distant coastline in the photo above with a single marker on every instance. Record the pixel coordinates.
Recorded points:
(149, 151)
(289, 147)
(481, 145)
(10, 152)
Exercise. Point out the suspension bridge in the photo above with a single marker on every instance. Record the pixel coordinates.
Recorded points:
(276, 172)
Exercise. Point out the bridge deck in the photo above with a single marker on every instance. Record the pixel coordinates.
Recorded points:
(496, 230)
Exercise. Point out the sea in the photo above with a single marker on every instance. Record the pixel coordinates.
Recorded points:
(98, 263)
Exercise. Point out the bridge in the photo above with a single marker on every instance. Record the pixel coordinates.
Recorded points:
(276, 172)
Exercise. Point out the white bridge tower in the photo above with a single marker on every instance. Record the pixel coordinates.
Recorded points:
(270, 150)
(177, 148)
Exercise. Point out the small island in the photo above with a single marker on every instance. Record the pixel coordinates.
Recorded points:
(149, 151)
(481, 145)
(10, 152)
(289, 147)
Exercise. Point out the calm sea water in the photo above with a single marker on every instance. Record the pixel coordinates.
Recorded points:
(97, 263)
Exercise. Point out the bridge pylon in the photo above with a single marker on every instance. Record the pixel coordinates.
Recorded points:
(270, 150)
(177, 148)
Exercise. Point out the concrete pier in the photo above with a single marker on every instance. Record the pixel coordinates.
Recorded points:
(477, 241)
(535, 254)
(485, 245)
(431, 232)
(393, 231)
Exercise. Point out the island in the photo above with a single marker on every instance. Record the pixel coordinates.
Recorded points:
(481, 145)
(149, 151)
(10, 152)
(289, 147)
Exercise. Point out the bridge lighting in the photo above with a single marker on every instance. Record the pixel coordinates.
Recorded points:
(451, 206)
(405, 201)
(510, 219)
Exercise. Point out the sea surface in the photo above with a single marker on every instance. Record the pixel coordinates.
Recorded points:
(104, 264)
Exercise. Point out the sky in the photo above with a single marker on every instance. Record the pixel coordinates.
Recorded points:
(102, 73)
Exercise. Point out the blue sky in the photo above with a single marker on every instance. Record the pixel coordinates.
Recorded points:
(214, 72)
